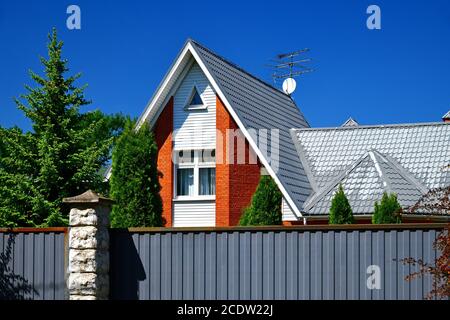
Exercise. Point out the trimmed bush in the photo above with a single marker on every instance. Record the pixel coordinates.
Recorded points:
(388, 210)
(134, 179)
(340, 211)
(265, 207)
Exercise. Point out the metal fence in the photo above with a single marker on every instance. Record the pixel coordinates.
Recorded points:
(271, 263)
(32, 264)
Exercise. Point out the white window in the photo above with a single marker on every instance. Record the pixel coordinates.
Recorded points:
(195, 174)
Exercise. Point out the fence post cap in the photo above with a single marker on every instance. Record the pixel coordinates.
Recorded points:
(88, 197)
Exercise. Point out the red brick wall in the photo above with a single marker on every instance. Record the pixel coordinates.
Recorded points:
(235, 183)
(163, 135)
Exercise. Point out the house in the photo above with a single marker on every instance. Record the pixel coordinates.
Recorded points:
(219, 128)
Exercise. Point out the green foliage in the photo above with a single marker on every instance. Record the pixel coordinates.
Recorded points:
(340, 211)
(265, 207)
(134, 179)
(62, 155)
(388, 210)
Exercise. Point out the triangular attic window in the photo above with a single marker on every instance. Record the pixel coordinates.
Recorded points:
(195, 101)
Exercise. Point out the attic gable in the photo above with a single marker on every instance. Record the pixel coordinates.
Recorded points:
(253, 105)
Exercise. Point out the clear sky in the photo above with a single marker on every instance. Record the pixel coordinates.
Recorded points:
(398, 74)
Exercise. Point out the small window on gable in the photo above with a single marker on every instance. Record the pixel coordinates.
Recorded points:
(195, 101)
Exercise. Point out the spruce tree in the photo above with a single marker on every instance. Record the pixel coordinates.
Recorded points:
(340, 211)
(265, 207)
(61, 156)
(388, 210)
(134, 179)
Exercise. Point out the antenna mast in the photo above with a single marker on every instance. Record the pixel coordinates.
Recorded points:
(290, 65)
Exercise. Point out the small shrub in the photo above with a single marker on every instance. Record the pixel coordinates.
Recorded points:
(388, 210)
(265, 207)
(340, 211)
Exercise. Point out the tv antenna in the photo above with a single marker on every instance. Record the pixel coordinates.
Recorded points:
(290, 65)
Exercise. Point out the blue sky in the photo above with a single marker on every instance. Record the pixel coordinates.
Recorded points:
(398, 74)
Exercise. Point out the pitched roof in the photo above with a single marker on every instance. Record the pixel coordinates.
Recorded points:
(253, 104)
(446, 116)
(406, 159)
(350, 123)
(87, 197)
(364, 183)
(261, 106)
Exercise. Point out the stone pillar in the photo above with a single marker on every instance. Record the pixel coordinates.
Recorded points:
(88, 265)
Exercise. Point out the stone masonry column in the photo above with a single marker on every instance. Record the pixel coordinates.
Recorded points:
(88, 265)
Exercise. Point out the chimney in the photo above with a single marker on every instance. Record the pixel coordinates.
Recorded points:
(446, 117)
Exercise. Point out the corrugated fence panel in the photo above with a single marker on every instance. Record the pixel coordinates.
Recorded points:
(304, 271)
(32, 265)
(416, 248)
(252, 264)
(340, 265)
(429, 257)
(291, 266)
(245, 266)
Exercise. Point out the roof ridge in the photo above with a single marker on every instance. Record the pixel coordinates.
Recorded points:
(375, 126)
(376, 158)
(374, 154)
(234, 65)
(447, 115)
(304, 160)
(405, 174)
(314, 198)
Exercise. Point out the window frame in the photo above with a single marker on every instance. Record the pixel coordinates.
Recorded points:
(196, 165)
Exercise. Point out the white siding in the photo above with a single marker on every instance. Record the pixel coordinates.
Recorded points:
(286, 211)
(194, 214)
(196, 129)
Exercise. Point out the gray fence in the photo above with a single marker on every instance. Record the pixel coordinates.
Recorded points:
(272, 263)
(32, 264)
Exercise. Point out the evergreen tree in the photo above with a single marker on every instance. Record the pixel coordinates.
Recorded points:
(134, 179)
(61, 156)
(388, 210)
(340, 211)
(265, 207)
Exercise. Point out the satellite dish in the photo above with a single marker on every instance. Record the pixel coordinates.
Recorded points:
(289, 85)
